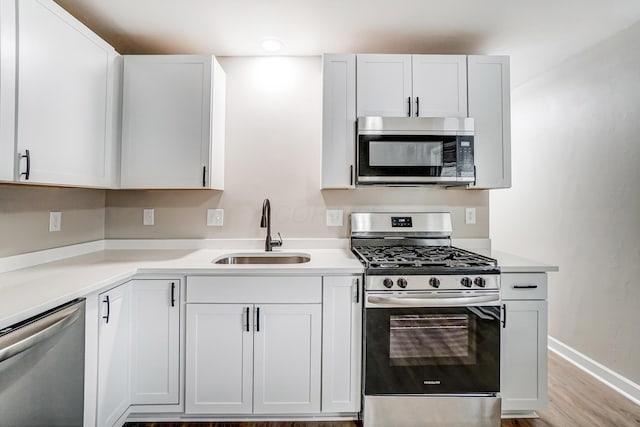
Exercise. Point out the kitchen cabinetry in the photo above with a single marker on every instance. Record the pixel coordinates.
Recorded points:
(341, 343)
(7, 88)
(155, 342)
(253, 345)
(490, 107)
(66, 103)
(524, 343)
(113, 355)
(173, 122)
(412, 85)
(338, 120)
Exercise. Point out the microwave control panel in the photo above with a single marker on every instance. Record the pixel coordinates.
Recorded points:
(465, 156)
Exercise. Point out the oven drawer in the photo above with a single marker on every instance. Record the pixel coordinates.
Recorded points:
(519, 286)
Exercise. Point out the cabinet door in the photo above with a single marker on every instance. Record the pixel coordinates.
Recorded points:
(338, 120)
(287, 343)
(167, 120)
(490, 107)
(341, 343)
(384, 85)
(65, 98)
(7, 88)
(155, 341)
(439, 85)
(524, 356)
(113, 355)
(219, 359)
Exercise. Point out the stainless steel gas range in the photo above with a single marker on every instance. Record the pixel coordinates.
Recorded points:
(431, 324)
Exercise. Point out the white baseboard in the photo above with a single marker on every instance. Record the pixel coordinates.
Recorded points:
(614, 380)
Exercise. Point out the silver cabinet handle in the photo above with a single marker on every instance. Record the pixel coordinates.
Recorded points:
(257, 319)
(408, 106)
(36, 332)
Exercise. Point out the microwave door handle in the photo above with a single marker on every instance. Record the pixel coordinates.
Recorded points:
(374, 300)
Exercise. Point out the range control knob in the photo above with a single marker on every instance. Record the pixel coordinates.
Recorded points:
(480, 281)
(402, 283)
(434, 282)
(388, 283)
(466, 282)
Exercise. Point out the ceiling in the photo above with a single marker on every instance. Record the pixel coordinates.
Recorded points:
(537, 34)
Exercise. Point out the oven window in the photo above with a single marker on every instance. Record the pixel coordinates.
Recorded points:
(431, 339)
(405, 153)
(422, 350)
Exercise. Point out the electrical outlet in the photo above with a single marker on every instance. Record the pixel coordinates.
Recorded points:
(55, 221)
(148, 217)
(335, 217)
(215, 217)
(470, 215)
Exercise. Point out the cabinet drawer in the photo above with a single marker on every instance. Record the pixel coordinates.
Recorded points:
(237, 289)
(522, 286)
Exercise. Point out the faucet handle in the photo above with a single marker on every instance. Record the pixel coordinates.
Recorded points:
(277, 243)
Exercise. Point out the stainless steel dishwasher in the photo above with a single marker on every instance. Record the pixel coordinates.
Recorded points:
(42, 369)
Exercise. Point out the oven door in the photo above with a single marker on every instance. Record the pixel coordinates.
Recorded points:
(414, 159)
(427, 343)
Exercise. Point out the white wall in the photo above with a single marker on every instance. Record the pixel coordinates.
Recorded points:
(273, 149)
(575, 200)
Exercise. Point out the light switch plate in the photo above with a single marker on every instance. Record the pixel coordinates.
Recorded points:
(215, 217)
(335, 217)
(148, 217)
(470, 215)
(55, 221)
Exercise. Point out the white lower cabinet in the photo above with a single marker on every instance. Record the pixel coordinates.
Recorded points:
(287, 343)
(219, 363)
(524, 343)
(253, 345)
(341, 343)
(113, 355)
(155, 342)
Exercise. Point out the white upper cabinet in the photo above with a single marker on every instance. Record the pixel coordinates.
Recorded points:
(173, 115)
(384, 85)
(65, 99)
(7, 88)
(490, 107)
(439, 85)
(338, 120)
(412, 85)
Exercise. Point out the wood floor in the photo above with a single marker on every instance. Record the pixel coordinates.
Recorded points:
(575, 400)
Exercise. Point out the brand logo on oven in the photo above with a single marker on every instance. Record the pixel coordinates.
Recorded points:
(431, 382)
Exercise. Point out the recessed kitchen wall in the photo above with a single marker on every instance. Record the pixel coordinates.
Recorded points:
(24, 217)
(273, 149)
(575, 200)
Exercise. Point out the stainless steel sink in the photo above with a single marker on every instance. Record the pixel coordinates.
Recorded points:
(263, 258)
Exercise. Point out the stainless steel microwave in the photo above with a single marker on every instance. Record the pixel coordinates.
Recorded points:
(415, 151)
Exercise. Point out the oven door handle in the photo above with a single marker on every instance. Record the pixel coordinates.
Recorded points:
(430, 301)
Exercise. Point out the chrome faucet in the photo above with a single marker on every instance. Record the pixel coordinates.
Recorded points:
(265, 222)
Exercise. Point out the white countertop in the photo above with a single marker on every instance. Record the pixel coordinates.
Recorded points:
(29, 291)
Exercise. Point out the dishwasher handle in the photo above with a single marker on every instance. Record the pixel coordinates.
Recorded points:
(31, 334)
